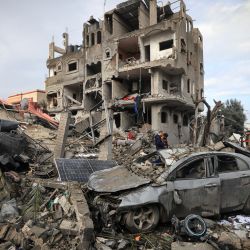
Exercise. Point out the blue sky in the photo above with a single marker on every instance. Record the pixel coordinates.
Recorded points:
(27, 27)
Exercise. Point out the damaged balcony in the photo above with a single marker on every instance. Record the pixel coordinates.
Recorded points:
(130, 86)
(159, 49)
(93, 84)
(73, 96)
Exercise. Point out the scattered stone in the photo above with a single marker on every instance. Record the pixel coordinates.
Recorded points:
(3, 231)
(210, 223)
(122, 244)
(190, 246)
(229, 239)
(69, 227)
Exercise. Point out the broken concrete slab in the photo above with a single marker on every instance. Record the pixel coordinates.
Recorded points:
(69, 227)
(230, 239)
(81, 207)
(191, 246)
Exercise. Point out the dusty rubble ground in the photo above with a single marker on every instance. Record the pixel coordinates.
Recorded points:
(39, 212)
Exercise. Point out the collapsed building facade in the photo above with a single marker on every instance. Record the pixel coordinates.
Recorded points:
(141, 64)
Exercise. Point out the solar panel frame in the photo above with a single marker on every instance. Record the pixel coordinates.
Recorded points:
(80, 169)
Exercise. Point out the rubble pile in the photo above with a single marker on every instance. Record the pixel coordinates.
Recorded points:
(157, 240)
(42, 216)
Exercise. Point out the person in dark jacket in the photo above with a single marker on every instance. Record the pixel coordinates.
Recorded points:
(164, 139)
(158, 141)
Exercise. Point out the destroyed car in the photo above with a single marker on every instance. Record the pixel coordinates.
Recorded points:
(205, 183)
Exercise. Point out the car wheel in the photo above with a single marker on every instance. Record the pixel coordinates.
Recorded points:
(195, 226)
(246, 208)
(142, 219)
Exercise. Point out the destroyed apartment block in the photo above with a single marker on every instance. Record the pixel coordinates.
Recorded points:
(141, 64)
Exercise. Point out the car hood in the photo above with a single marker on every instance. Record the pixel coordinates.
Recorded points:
(115, 179)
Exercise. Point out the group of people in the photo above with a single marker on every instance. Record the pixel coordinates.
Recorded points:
(161, 140)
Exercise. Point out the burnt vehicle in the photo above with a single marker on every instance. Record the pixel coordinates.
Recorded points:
(205, 183)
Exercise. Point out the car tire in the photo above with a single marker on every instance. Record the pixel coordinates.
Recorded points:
(246, 208)
(195, 226)
(142, 219)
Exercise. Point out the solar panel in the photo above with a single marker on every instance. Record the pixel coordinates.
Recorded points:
(80, 169)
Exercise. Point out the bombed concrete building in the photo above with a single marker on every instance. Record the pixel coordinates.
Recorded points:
(141, 64)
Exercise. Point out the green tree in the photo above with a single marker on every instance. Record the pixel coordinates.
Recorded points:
(235, 117)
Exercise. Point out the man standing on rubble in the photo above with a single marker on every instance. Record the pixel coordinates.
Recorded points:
(158, 141)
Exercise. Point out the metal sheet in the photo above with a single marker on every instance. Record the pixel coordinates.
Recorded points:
(237, 147)
(80, 169)
(116, 179)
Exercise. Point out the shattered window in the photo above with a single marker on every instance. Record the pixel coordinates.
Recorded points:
(194, 170)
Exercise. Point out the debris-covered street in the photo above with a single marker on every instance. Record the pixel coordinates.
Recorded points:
(122, 150)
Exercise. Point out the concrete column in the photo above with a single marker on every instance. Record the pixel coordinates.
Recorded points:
(62, 134)
(155, 117)
(155, 81)
(153, 12)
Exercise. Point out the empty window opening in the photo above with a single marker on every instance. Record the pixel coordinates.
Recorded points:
(188, 86)
(109, 23)
(87, 40)
(147, 53)
(164, 117)
(190, 25)
(94, 69)
(189, 58)
(129, 49)
(185, 120)
(148, 115)
(175, 118)
(194, 170)
(200, 39)
(183, 46)
(107, 91)
(99, 37)
(59, 67)
(93, 83)
(202, 93)
(108, 53)
(92, 39)
(74, 94)
(187, 26)
(72, 66)
(117, 118)
(52, 100)
(201, 68)
(166, 45)
(165, 85)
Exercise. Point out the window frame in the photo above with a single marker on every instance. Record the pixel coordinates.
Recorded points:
(207, 161)
(236, 158)
(71, 62)
(163, 44)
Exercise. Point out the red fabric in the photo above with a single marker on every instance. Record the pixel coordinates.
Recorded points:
(131, 135)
